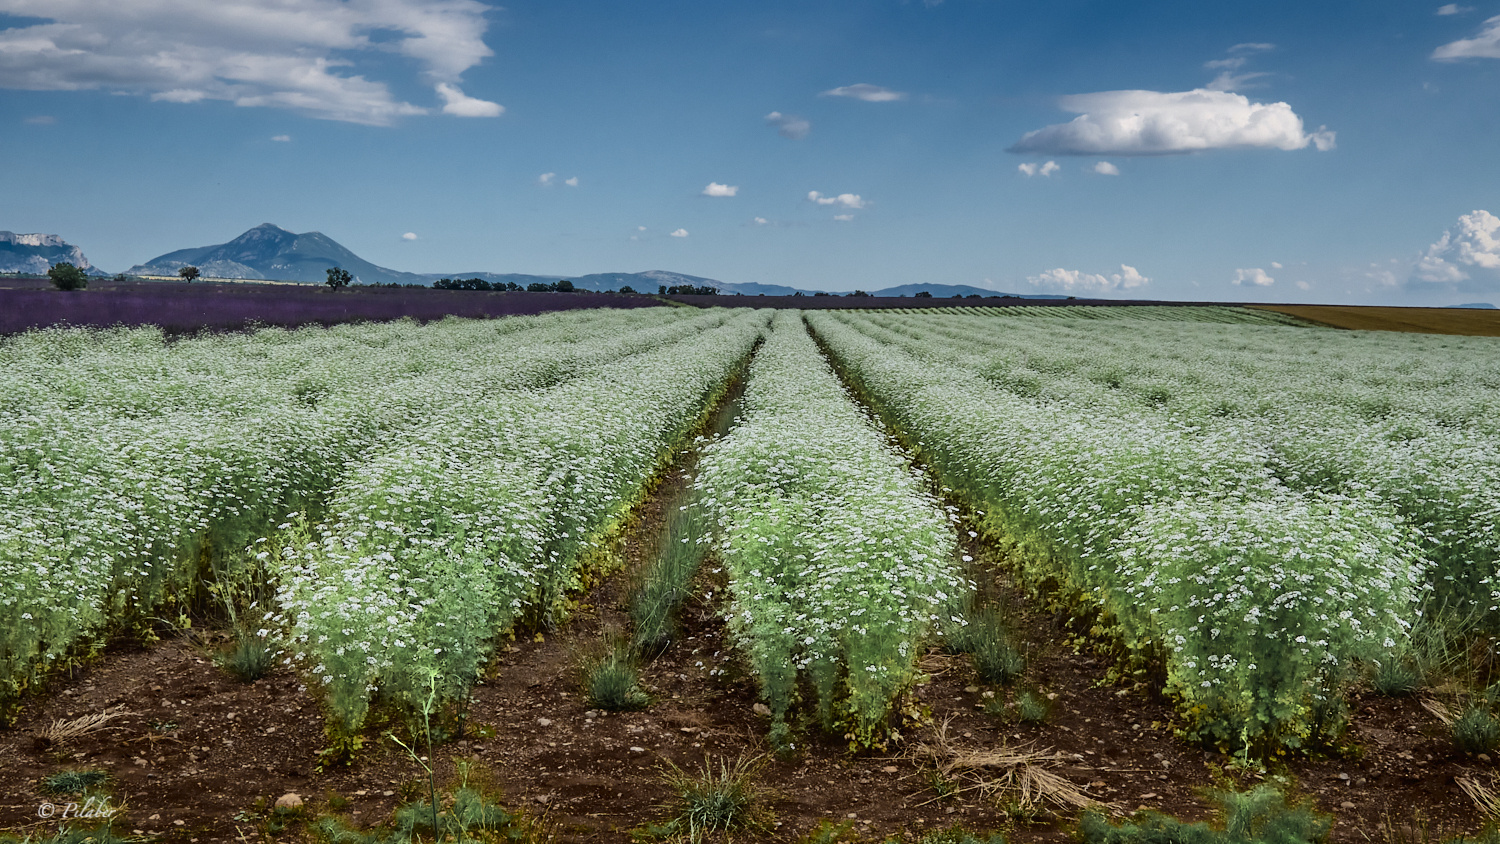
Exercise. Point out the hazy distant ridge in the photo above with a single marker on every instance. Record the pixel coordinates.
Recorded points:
(269, 252)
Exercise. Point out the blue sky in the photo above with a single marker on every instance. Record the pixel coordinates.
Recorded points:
(1276, 151)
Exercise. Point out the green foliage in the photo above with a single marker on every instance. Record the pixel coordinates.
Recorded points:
(65, 276)
(653, 605)
(467, 813)
(1396, 677)
(338, 278)
(188, 274)
(251, 658)
(959, 835)
(1477, 730)
(722, 798)
(612, 680)
(986, 637)
(1258, 816)
(72, 782)
(1032, 708)
(72, 834)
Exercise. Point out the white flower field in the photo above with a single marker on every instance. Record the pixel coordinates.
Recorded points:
(1265, 513)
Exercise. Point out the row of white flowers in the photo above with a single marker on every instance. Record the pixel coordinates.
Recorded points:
(840, 562)
(1255, 591)
(130, 466)
(438, 541)
(1412, 420)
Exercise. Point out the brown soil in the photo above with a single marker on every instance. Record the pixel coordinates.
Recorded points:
(1473, 322)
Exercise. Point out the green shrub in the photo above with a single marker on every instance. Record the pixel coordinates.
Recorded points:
(1032, 707)
(654, 604)
(987, 639)
(716, 798)
(65, 276)
(613, 681)
(1396, 678)
(72, 782)
(251, 658)
(1258, 816)
(1476, 730)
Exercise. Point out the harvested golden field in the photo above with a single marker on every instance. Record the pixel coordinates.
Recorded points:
(1472, 322)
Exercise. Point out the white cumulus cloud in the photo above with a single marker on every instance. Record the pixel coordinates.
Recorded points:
(716, 189)
(546, 178)
(1075, 281)
(1485, 45)
(680, 233)
(1030, 169)
(283, 139)
(843, 200)
(1104, 168)
(459, 104)
(1470, 252)
(789, 125)
(409, 236)
(1154, 123)
(571, 182)
(1253, 275)
(866, 92)
(303, 55)
(762, 221)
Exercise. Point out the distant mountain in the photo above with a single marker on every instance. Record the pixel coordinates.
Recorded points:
(271, 252)
(1475, 305)
(949, 291)
(36, 253)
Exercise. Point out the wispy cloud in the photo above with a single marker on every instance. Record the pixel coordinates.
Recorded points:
(1253, 276)
(867, 92)
(844, 200)
(1154, 123)
(459, 104)
(1075, 281)
(40, 120)
(1485, 45)
(282, 139)
(571, 181)
(546, 178)
(789, 125)
(843, 218)
(300, 55)
(716, 189)
(1029, 169)
(1454, 9)
(1104, 168)
(1468, 253)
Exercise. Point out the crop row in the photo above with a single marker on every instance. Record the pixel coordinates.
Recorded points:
(1255, 594)
(839, 560)
(132, 468)
(434, 545)
(1410, 421)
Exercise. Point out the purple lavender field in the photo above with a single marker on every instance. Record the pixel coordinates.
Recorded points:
(179, 307)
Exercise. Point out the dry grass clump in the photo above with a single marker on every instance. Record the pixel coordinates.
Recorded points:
(62, 730)
(1021, 777)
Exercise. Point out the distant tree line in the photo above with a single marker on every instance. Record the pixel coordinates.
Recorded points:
(687, 290)
(563, 286)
